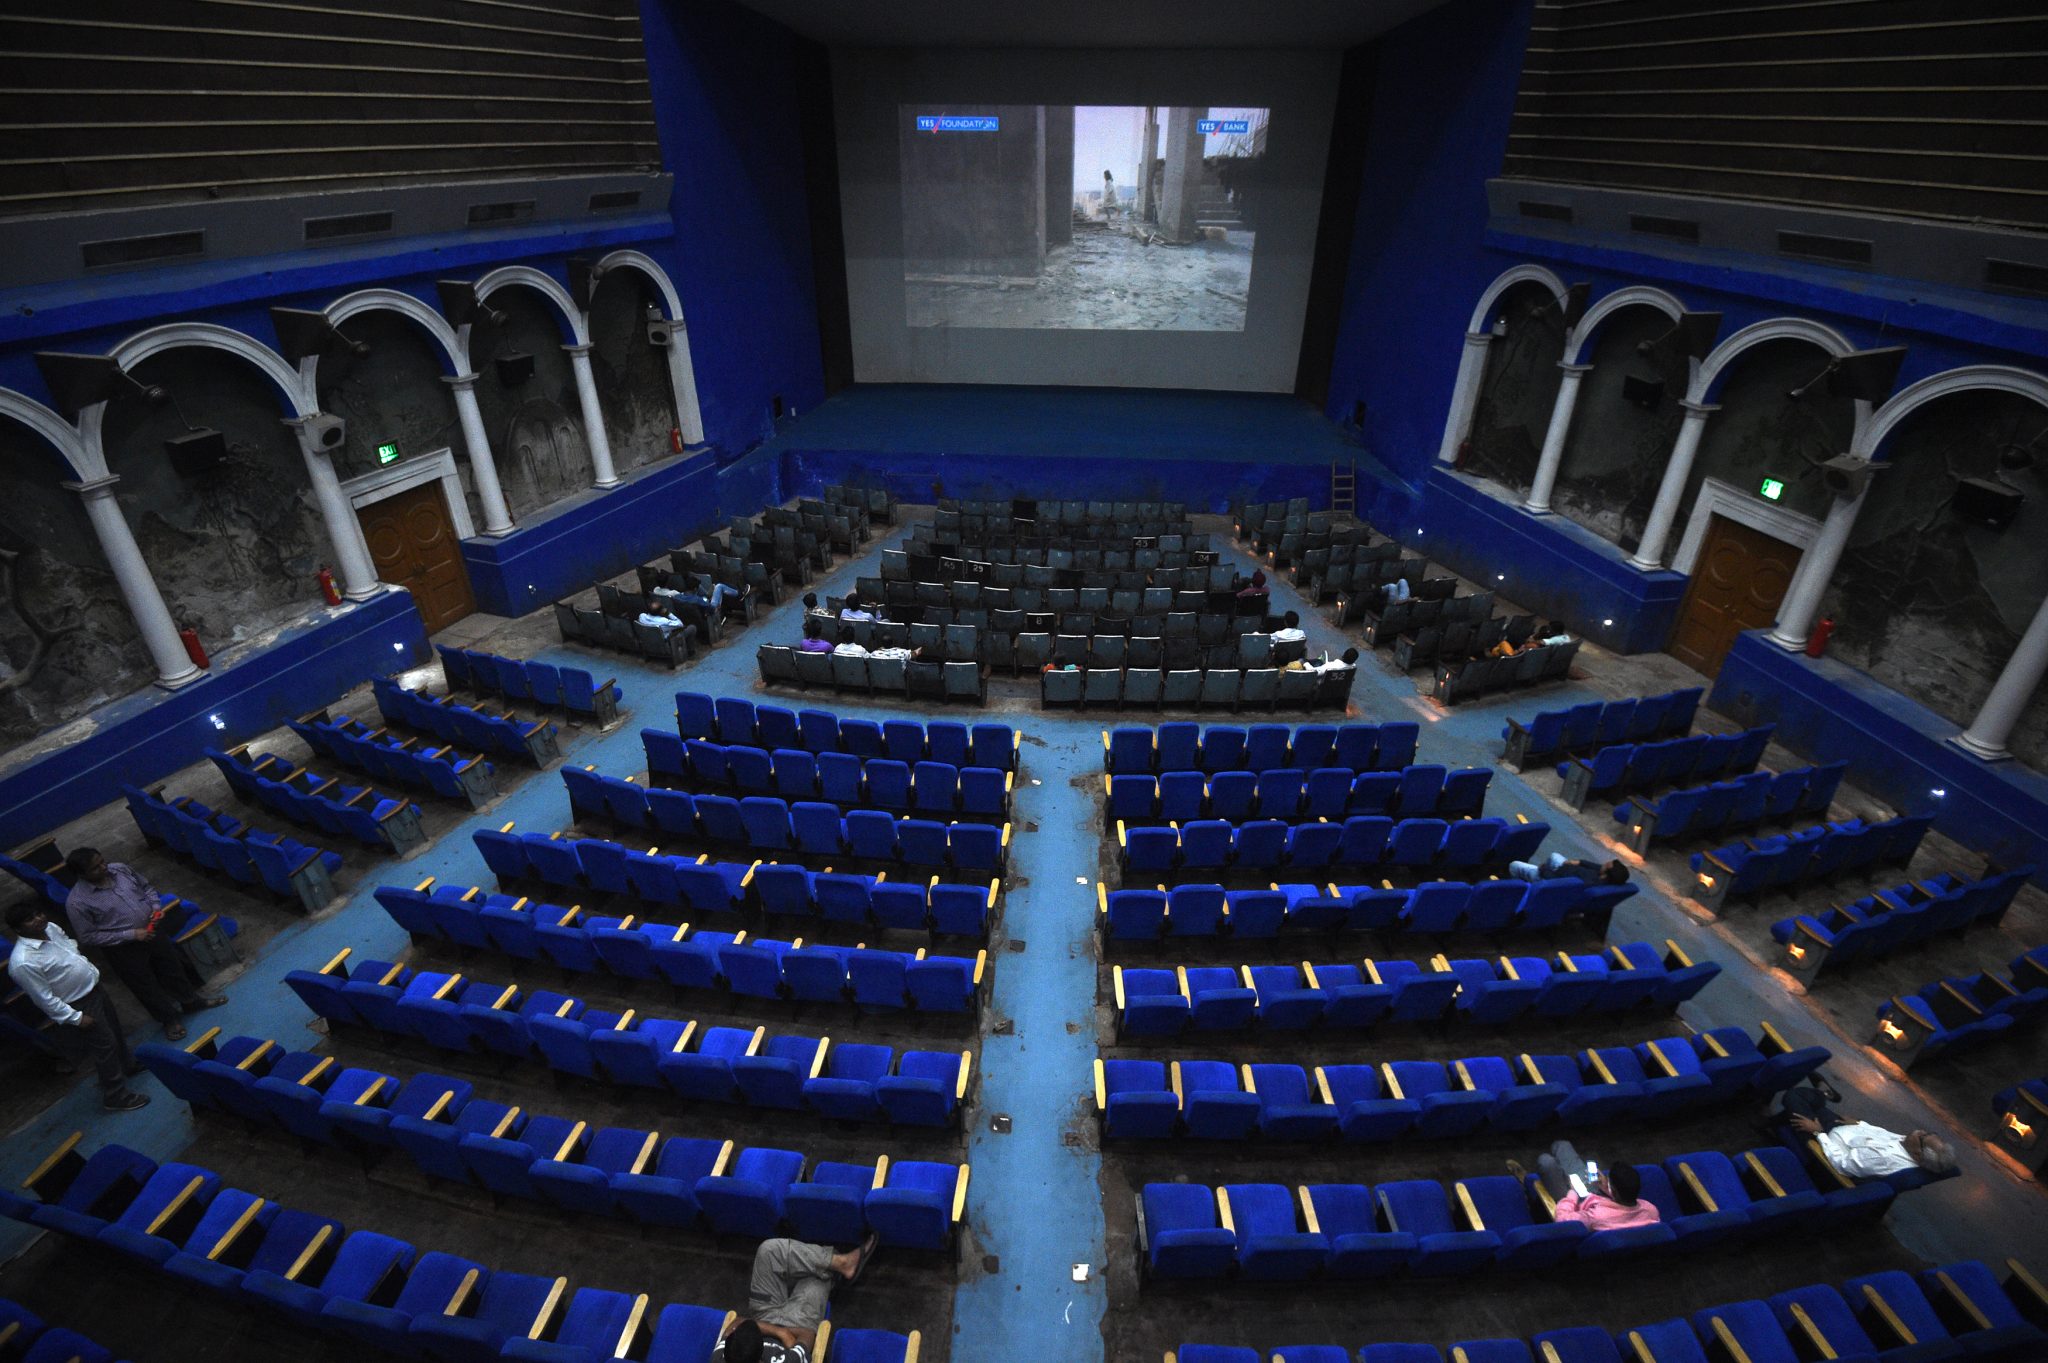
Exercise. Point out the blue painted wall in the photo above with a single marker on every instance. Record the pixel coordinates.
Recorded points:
(147, 736)
(1897, 750)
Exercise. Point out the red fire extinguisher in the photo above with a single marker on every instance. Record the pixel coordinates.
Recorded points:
(675, 439)
(327, 587)
(194, 649)
(1817, 643)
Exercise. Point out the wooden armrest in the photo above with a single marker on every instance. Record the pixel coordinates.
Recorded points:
(960, 1193)
(464, 1290)
(63, 1153)
(208, 1042)
(1763, 1175)
(176, 1204)
(1691, 1180)
(309, 1253)
(241, 1223)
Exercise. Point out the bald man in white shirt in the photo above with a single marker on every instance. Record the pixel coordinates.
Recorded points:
(1860, 1149)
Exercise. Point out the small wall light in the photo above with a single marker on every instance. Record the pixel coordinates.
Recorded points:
(218, 722)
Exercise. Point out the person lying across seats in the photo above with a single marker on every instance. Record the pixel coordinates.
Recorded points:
(787, 1298)
(1599, 1199)
(1557, 866)
(695, 593)
(1060, 663)
(1349, 658)
(1859, 1149)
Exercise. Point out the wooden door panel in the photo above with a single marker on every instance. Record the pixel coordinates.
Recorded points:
(413, 544)
(1737, 584)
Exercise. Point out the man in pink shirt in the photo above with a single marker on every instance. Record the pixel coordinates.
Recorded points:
(1610, 1200)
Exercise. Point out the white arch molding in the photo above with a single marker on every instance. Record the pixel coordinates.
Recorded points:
(1472, 358)
(682, 374)
(1756, 334)
(1554, 436)
(60, 434)
(541, 282)
(1990, 377)
(476, 442)
(594, 434)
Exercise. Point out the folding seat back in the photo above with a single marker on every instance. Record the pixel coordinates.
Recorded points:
(1365, 840)
(1213, 1106)
(1436, 906)
(1134, 915)
(1416, 842)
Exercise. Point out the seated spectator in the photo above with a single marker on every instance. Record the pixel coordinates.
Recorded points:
(1552, 633)
(1859, 1149)
(1397, 590)
(1611, 1200)
(1290, 629)
(848, 645)
(1557, 866)
(658, 613)
(1503, 649)
(892, 652)
(1059, 663)
(811, 606)
(853, 609)
(694, 591)
(814, 640)
(1255, 587)
(1349, 658)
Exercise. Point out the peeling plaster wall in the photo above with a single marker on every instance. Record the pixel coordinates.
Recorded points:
(536, 429)
(67, 643)
(1761, 432)
(1932, 605)
(235, 552)
(632, 376)
(1519, 389)
(1616, 452)
(394, 393)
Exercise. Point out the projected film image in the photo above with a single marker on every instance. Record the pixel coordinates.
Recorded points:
(1091, 217)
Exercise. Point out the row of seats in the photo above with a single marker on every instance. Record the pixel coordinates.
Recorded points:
(1760, 797)
(1958, 1310)
(1437, 907)
(756, 579)
(700, 885)
(26, 1337)
(1428, 1099)
(1361, 840)
(672, 646)
(997, 587)
(1293, 795)
(1402, 620)
(1461, 639)
(1747, 869)
(1260, 1232)
(2023, 1119)
(713, 1064)
(1542, 663)
(682, 1183)
(860, 676)
(221, 842)
(835, 777)
(1064, 513)
(1164, 1002)
(692, 958)
(1960, 1011)
(532, 682)
(737, 720)
(879, 503)
(1620, 769)
(769, 823)
(507, 735)
(1371, 595)
(1107, 650)
(305, 797)
(373, 1289)
(1553, 734)
(1185, 746)
(1906, 915)
(1232, 686)
(1368, 568)
(393, 761)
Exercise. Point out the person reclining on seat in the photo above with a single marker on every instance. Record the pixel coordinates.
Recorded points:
(1599, 1200)
(1557, 866)
(693, 591)
(1859, 1149)
(1349, 658)
(786, 1300)
(658, 613)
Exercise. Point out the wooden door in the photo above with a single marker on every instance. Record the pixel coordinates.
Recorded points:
(414, 546)
(1737, 583)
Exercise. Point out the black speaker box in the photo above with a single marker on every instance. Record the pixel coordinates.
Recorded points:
(197, 453)
(1988, 502)
(1642, 392)
(514, 368)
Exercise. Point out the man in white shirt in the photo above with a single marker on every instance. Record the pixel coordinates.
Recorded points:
(660, 615)
(848, 645)
(1859, 1149)
(1290, 630)
(47, 965)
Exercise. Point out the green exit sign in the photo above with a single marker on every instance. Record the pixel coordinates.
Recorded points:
(388, 454)
(1772, 489)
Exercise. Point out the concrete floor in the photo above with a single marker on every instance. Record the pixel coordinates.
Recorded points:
(1044, 1201)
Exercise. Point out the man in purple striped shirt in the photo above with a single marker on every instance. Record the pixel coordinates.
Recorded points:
(114, 911)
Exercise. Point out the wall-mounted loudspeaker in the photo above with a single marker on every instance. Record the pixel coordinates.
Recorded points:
(660, 334)
(514, 368)
(1645, 393)
(1988, 502)
(326, 431)
(197, 454)
(1845, 475)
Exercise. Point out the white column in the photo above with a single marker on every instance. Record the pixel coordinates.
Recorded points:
(682, 380)
(1553, 439)
(2015, 686)
(174, 667)
(483, 466)
(1465, 394)
(1816, 569)
(593, 417)
(358, 574)
(1650, 553)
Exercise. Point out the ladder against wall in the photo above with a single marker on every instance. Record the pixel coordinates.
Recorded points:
(1344, 487)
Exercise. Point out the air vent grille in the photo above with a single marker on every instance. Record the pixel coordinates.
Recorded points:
(348, 225)
(481, 215)
(1814, 246)
(615, 201)
(1677, 229)
(2016, 276)
(1549, 212)
(150, 250)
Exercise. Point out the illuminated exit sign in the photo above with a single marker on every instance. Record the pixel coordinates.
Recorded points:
(388, 454)
(1771, 490)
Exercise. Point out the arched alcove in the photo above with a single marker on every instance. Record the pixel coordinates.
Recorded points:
(1519, 387)
(234, 549)
(393, 395)
(67, 643)
(535, 426)
(1620, 439)
(1928, 602)
(632, 376)
(1762, 431)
